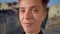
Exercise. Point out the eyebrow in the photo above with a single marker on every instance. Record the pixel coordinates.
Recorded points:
(30, 7)
(34, 6)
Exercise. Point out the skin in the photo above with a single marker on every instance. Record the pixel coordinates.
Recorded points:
(31, 14)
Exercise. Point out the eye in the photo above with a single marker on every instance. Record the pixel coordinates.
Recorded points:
(22, 10)
(35, 10)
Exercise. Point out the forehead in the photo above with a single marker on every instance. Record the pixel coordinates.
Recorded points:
(30, 0)
(26, 3)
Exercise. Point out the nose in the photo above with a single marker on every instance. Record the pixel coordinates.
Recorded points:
(28, 15)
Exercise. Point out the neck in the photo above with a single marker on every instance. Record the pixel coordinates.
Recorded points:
(31, 33)
(35, 32)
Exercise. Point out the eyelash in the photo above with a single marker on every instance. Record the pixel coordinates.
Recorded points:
(21, 10)
(33, 10)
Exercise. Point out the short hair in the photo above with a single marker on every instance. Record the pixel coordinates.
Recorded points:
(45, 2)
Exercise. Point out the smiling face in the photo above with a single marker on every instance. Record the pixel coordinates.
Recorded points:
(31, 14)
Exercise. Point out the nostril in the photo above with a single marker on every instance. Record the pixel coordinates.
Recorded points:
(28, 16)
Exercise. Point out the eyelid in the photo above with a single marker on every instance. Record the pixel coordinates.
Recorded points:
(21, 8)
(35, 9)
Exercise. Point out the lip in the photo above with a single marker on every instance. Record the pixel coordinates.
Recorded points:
(28, 24)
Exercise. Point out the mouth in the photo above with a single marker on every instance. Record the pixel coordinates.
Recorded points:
(28, 24)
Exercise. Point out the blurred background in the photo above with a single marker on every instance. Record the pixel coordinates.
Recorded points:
(9, 19)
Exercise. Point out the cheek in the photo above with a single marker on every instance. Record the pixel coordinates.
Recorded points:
(38, 17)
(20, 17)
(38, 20)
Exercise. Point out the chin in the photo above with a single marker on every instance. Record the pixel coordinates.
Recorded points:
(28, 30)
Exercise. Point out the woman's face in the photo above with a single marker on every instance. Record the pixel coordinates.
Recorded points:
(31, 14)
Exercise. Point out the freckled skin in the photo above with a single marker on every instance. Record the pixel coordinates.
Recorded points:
(31, 14)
